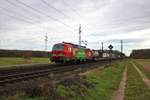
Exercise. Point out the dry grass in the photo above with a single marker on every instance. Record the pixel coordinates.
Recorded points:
(144, 66)
(145, 63)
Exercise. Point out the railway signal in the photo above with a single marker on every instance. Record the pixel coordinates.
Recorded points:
(110, 47)
(110, 52)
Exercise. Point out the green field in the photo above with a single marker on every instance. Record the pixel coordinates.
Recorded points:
(16, 60)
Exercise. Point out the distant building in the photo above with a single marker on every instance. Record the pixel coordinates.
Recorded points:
(140, 54)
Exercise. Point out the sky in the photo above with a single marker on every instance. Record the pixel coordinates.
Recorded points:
(24, 23)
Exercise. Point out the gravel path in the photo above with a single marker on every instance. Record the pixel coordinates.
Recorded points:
(119, 93)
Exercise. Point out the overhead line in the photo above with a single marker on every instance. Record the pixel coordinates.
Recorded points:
(15, 5)
(17, 18)
(14, 12)
(72, 8)
(38, 11)
(50, 6)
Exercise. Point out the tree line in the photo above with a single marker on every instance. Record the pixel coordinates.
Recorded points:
(22, 53)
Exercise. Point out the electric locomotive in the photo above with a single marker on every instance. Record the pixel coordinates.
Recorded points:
(68, 52)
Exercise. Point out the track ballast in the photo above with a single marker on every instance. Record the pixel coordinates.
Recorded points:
(21, 74)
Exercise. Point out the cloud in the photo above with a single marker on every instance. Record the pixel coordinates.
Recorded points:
(102, 20)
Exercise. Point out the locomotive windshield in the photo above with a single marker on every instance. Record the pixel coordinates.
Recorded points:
(58, 47)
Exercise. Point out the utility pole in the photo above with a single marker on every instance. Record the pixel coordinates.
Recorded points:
(46, 40)
(79, 35)
(121, 46)
(102, 49)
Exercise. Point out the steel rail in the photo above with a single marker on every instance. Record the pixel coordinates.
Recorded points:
(13, 77)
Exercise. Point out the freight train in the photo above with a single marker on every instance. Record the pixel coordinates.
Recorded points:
(67, 52)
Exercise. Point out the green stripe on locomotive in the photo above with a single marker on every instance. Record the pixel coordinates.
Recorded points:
(80, 55)
(49, 56)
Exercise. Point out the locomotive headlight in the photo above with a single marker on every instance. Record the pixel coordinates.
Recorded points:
(54, 55)
(61, 54)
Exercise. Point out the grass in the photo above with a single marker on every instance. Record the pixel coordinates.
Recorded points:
(135, 87)
(146, 72)
(18, 96)
(16, 60)
(106, 81)
(97, 84)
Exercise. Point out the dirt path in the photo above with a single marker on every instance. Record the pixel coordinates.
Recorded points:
(145, 79)
(119, 94)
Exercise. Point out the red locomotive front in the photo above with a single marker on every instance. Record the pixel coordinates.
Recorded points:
(62, 52)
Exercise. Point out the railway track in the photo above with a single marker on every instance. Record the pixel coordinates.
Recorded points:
(19, 75)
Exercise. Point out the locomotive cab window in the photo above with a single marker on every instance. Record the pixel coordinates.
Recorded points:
(58, 47)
